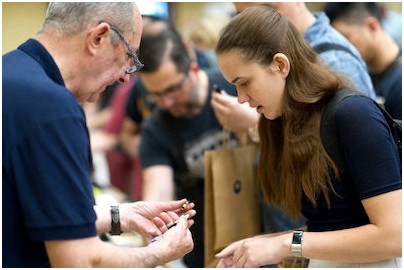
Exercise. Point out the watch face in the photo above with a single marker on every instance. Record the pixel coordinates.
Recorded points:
(115, 221)
(297, 237)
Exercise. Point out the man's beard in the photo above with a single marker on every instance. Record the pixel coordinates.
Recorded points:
(193, 106)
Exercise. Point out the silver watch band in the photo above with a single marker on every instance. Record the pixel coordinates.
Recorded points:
(297, 243)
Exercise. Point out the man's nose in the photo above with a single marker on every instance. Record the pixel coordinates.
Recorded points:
(166, 101)
(124, 78)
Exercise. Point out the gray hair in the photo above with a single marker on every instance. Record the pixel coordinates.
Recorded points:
(73, 17)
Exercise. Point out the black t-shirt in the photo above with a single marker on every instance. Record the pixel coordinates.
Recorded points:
(139, 106)
(197, 134)
(160, 141)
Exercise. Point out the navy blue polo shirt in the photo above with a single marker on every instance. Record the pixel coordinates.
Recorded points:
(373, 167)
(47, 193)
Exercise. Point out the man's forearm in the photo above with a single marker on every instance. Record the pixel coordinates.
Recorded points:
(92, 252)
(158, 183)
(103, 222)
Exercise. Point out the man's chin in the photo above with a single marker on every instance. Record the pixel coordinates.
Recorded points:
(94, 97)
(177, 114)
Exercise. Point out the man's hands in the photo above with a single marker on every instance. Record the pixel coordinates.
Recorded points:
(138, 216)
(176, 241)
(92, 252)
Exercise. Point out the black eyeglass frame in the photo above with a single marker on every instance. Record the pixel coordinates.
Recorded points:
(137, 64)
(171, 89)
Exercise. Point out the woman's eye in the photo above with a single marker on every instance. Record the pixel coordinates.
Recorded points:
(244, 84)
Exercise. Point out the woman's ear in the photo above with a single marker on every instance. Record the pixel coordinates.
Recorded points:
(282, 64)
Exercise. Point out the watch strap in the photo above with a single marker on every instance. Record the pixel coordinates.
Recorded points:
(297, 243)
(115, 221)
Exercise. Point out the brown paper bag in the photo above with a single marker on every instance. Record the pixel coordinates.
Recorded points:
(232, 202)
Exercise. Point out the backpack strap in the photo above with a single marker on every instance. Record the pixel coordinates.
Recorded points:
(395, 126)
(328, 129)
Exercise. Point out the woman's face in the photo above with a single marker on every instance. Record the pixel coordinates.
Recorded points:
(261, 86)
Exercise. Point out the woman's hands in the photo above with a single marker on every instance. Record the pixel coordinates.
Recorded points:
(256, 251)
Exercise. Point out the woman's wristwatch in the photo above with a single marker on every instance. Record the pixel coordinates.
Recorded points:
(297, 243)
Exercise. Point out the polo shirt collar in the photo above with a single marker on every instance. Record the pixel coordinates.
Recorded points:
(38, 52)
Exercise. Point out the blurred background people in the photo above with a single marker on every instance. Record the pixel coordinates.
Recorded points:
(111, 138)
(98, 114)
(124, 172)
(180, 129)
(204, 33)
(360, 23)
(392, 22)
(140, 105)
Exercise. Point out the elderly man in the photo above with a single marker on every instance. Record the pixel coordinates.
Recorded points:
(48, 205)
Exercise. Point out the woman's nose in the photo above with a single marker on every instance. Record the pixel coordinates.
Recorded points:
(242, 97)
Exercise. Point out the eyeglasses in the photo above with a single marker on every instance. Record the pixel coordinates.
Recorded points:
(170, 90)
(137, 64)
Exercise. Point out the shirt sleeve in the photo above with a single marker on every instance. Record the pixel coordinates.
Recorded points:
(349, 66)
(368, 147)
(54, 179)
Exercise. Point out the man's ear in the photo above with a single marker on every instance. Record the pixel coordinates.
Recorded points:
(282, 64)
(373, 24)
(190, 50)
(97, 37)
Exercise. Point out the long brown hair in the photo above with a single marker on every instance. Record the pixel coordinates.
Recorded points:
(292, 157)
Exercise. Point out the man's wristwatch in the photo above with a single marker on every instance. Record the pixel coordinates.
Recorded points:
(297, 243)
(115, 220)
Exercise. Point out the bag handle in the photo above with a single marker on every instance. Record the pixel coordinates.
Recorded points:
(226, 137)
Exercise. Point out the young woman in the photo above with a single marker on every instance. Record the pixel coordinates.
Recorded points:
(354, 215)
